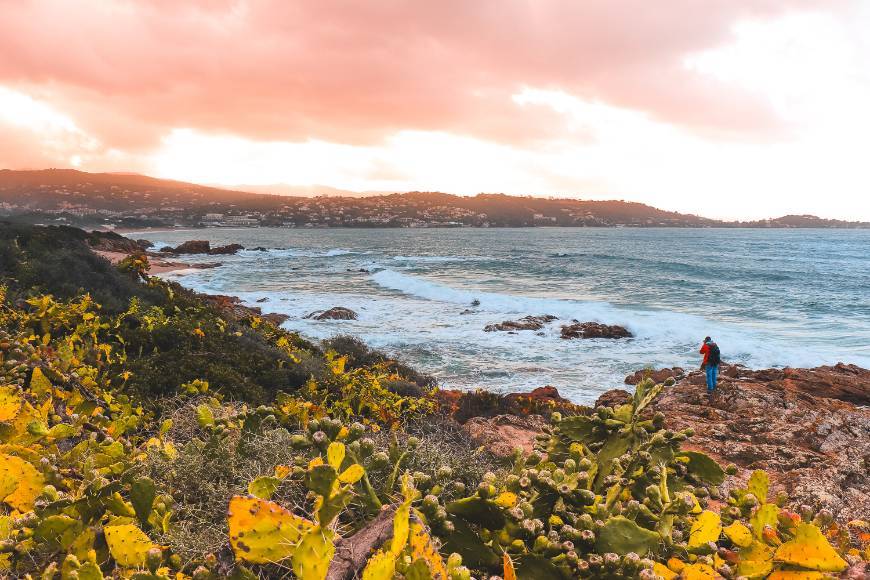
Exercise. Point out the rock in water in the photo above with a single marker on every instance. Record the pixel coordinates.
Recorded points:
(228, 249)
(525, 323)
(334, 313)
(192, 247)
(594, 330)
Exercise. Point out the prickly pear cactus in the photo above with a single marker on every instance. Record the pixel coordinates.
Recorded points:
(262, 531)
(128, 544)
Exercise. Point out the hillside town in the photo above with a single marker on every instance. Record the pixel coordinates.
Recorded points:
(128, 200)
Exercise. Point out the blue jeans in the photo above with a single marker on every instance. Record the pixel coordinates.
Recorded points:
(712, 376)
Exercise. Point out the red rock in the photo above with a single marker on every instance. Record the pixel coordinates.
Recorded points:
(613, 398)
(790, 422)
(659, 376)
(501, 434)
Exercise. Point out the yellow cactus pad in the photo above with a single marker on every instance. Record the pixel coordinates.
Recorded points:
(312, 556)
(10, 402)
(740, 535)
(706, 528)
(663, 571)
(262, 531)
(509, 572)
(20, 482)
(796, 575)
(422, 548)
(756, 560)
(335, 455)
(698, 572)
(352, 474)
(810, 549)
(128, 544)
(506, 499)
(381, 566)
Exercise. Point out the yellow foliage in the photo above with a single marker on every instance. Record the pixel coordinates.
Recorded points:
(262, 531)
(20, 482)
(706, 528)
(663, 571)
(810, 549)
(422, 548)
(756, 560)
(698, 571)
(312, 556)
(739, 534)
(10, 402)
(128, 544)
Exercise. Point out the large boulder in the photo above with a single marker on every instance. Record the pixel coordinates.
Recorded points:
(613, 398)
(203, 247)
(594, 330)
(334, 313)
(191, 247)
(228, 249)
(501, 434)
(658, 376)
(525, 323)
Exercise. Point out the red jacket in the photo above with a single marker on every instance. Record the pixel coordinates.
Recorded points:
(705, 350)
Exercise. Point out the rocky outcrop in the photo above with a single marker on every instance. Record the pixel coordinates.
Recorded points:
(202, 247)
(613, 398)
(525, 323)
(794, 423)
(232, 307)
(658, 376)
(501, 434)
(334, 313)
(112, 242)
(594, 330)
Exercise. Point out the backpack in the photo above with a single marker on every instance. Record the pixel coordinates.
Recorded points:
(715, 357)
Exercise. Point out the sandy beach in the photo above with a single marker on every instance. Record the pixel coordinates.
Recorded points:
(158, 265)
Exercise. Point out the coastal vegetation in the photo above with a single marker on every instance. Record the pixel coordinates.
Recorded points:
(148, 432)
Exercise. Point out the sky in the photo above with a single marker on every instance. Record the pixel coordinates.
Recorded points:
(729, 109)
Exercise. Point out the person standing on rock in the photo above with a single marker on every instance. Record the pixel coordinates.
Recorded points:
(710, 364)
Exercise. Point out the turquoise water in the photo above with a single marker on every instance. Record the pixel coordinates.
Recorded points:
(769, 297)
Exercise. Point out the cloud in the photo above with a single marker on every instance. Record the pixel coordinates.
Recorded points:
(357, 72)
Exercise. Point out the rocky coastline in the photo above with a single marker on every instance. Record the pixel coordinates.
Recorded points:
(808, 428)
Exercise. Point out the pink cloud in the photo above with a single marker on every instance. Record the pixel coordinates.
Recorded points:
(355, 72)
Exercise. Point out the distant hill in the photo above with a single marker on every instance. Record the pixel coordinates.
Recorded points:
(130, 199)
(304, 190)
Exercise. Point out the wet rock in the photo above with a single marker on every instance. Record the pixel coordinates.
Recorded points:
(334, 313)
(190, 247)
(263, 299)
(228, 249)
(202, 247)
(658, 376)
(613, 398)
(501, 434)
(594, 330)
(275, 318)
(525, 323)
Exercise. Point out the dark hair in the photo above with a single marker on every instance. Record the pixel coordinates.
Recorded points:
(707, 339)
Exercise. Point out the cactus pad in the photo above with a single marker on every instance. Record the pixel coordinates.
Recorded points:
(312, 556)
(810, 549)
(128, 544)
(20, 482)
(706, 528)
(621, 536)
(262, 531)
(10, 402)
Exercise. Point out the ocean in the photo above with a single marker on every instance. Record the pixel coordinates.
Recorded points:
(770, 298)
